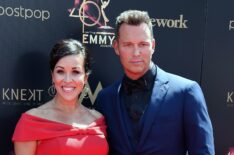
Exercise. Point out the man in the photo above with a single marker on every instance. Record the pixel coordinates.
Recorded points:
(150, 111)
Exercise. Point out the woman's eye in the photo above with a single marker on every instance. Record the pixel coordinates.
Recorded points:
(76, 72)
(60, 71)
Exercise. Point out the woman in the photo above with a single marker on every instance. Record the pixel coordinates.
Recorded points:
(63, 126)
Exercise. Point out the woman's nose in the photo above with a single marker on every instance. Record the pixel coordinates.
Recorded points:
(67, 78)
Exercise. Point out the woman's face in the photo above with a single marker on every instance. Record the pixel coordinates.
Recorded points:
(69, 77)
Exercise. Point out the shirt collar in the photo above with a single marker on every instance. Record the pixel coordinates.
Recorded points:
(145, 82)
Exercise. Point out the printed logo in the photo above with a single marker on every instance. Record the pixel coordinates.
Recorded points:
(95, 23)
(230, 99)
(231, 25)
(15, 96)
(180, 23)
(89, 94)
(24, 13)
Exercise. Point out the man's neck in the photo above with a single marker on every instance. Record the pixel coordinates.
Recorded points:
(136, 76)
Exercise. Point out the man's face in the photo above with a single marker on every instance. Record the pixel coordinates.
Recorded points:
(135, 47)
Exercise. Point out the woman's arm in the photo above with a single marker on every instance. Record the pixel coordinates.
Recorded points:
(25, 148)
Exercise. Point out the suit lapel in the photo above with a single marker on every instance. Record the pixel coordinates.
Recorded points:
(122, 120)
(157, 98)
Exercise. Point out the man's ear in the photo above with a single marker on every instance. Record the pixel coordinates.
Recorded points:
(153, 45)
(115, 46)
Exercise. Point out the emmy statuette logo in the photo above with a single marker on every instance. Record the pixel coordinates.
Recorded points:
(95, 23)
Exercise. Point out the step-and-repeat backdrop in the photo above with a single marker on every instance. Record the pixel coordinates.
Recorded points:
(218, 73)
(194, 39)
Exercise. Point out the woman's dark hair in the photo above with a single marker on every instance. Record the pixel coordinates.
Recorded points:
(69, 47)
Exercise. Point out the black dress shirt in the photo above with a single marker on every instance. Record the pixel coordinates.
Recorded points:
(135, 96)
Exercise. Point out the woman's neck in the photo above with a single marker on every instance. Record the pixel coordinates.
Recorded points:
(66, 106)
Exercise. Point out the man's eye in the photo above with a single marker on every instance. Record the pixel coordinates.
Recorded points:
(127, 44)
(143, 44)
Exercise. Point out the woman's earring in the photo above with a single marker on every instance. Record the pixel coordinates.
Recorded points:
(86, 90)
(52, 90)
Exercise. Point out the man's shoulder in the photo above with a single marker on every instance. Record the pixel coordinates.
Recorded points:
(176, 79)
(110, 89)
(179, 78)
(106, 97)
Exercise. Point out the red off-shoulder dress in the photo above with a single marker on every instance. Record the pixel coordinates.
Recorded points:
(56, 138)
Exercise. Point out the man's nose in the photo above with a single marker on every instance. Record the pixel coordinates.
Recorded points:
(136, 50)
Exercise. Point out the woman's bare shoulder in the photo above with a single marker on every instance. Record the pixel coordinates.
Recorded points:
(39, 111)
(95, 113)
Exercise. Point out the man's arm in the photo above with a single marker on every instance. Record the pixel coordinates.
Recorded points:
(197, 124)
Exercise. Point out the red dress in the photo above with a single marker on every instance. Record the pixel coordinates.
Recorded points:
(62, 139)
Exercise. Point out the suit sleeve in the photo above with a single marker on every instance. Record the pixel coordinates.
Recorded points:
(100, 103)
(197, 124)
(97, 104)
